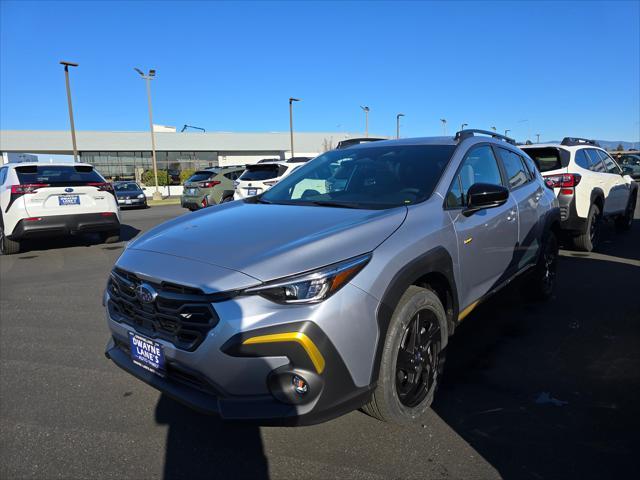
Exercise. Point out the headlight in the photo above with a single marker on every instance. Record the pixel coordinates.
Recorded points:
(311, 287)
(141, 195)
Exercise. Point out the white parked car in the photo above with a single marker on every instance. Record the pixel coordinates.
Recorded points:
(50, 199)
(260, 177)
(590, 186)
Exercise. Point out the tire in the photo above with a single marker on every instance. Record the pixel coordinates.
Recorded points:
(588, 240)
(403, 395)
(540, 284)
(110, 237)
(8, 246)
(226, 200)
(623, 223)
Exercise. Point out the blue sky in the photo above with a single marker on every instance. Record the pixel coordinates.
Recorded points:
(553, 68)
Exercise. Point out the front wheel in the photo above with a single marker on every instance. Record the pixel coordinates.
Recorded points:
(412, 358)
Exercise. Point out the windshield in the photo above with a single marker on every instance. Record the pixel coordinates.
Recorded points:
(263, 171)
(127, 186)
(369, 178)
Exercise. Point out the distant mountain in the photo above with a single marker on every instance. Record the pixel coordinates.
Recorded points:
(611, 145)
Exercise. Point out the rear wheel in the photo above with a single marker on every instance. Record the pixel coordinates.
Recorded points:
(412, 358)
(8, 246)
(110, 237)
(588, 240)
(624, 222)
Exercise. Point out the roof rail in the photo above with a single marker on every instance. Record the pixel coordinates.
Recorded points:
(573, 141)
(462, 134)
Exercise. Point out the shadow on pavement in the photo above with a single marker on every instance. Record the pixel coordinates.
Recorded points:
(200, 446)
(552, 390)
(127, 232)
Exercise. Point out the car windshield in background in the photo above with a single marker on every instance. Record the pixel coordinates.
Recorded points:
(126, 186)
(368, 178)
(201, 176)
(56, 175)
(546, 159)
(262, 171)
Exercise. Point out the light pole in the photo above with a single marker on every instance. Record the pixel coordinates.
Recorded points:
(398, 124)
(506, 133)
(73, 128)
(444, 126)
(494, 129)
(291, 100)
(366, 119)
(537, 138)
(150, 76)
(464, 125)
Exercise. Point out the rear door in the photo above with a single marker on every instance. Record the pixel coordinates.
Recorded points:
(619, 187)
(604, 180)
(486, 239)
(527, 195)
(63, 190)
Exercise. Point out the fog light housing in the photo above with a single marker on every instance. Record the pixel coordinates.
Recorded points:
(300, 385)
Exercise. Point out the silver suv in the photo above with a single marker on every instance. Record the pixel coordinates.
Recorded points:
(366, 260)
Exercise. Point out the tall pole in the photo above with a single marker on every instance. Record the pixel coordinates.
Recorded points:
(537, 138)
(398, 124)
(156, 194)
(366, 120)
(444, 126)
(291, 100)
(463, 125)
(73, 128)
(506, 132)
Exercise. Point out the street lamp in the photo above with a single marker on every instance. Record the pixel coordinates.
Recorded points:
(494, 129)
(506, 133)
(73, 128)
(537, 138)
(398, 124)
(150, 76)
(366, 119)
(464, 125)
(444, 126)
(291, 100)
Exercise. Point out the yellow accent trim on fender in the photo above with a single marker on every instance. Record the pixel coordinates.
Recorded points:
(300, 338)
(468, 241)
(468, 310)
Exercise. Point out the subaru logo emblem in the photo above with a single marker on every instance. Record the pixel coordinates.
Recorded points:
(68, 189)
(146, 293)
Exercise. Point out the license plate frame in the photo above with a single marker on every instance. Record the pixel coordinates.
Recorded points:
(252, 191)
(65, 200)
(147, 353)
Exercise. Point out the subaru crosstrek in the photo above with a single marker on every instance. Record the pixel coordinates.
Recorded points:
(337, 296)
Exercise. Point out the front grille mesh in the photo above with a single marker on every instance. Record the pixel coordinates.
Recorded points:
(181, 315)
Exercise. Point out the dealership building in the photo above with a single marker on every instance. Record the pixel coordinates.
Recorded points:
(126, 155)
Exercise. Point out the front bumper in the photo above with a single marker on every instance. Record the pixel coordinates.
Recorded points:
(133, 202)
(237, 379)
(65, 225)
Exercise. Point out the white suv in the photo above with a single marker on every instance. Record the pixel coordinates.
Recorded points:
(589, 185)
(260, 177)
(48, 199)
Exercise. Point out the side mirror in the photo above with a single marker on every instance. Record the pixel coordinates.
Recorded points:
(626, 170)
(485, 195)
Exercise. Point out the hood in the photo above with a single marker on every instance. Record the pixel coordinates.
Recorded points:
(271, 241)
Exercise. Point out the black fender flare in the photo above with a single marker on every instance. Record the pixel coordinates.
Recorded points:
(436, 260)
(595, 194)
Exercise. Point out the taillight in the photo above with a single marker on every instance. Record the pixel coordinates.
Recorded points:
(210, 184)
(270, 183)
(102, 186)
(564, 180)
(27, 188)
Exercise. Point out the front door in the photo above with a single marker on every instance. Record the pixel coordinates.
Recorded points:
(486, 239)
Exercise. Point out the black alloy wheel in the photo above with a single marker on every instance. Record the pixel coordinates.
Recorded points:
(417, 359)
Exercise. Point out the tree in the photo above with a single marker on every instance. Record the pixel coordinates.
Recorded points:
(186, 174)
(149, 180)
(620, 147)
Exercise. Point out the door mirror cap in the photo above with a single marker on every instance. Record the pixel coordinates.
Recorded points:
(485, 195)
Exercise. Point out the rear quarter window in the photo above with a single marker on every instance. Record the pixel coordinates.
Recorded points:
(56, 175)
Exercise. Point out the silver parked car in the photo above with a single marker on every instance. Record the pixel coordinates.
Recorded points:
(341, 284)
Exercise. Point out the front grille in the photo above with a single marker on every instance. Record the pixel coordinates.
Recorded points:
(180, 315)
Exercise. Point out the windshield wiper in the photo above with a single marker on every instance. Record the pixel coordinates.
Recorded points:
(326, 203)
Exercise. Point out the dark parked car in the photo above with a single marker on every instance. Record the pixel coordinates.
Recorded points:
(130, 194)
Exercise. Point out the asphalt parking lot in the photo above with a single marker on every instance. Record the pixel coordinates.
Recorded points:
(530, 390)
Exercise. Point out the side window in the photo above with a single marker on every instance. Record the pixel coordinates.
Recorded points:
(479, 166)
(531, 167)
(517, 174)
(582, 160)
(3, 175)
(609, 165)
(231, 175)
(596, 162)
